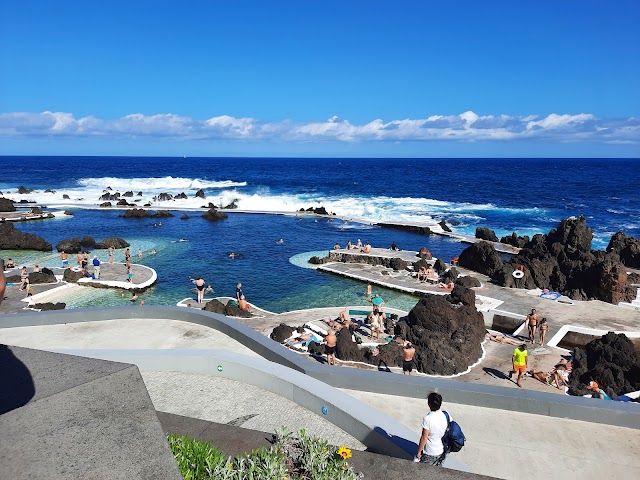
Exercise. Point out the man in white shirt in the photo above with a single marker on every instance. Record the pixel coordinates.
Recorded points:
(434, 426)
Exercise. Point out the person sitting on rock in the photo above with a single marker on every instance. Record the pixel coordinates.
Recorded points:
(366, 249)
(431, 275)
(597, 392)
(446, 286)
(422, 275)
(36, 269)
(243, 304)
(10, 264)
(336, 246)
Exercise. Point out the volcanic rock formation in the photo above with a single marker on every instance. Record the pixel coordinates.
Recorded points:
(13, 239)
(213, 215)
(628, 248)
(485, 233)
(611, 361)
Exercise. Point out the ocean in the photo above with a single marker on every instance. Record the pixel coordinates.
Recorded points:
(524, 195)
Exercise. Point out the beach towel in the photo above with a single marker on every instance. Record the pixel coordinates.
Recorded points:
(550, 295)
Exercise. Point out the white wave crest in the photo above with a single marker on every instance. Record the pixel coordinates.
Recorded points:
(165, 184)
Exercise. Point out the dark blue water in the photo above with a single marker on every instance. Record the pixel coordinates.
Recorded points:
(526, 195)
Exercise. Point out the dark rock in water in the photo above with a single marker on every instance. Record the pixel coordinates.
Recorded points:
(213, 215)
(439, 266)
(45, 307)
(67, 212)
(446, 335)
(184, 217)
(106, 204)
(162, 214)
(610, 361)
(181, 196)
(36, 278)
(109, 188)
(468, 281)
(215, 306)
(444, 226)
(232, 205)
(164, 197)
(200, 194)
(485, 233)
(128, 194)
(281, 333)
(116, 242)
(320, 211)
(48, 190)
(310, 209)
(147, 205)
(72, 277)
(480, 257)
(23, 190)
(13, 239)
(69, 245)
(124, 203)
(341, 256)
(6, 205)
(136, 213)
(424, 253)
(88, 242)
(25, 201)
(515, 240)
(108, 196)
(139, 194)
(315, 260)
(211, 205)
(66, 197)
(347, 349)
(301, 210)
(627, 248)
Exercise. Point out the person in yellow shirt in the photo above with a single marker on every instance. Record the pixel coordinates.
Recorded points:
(519, 361)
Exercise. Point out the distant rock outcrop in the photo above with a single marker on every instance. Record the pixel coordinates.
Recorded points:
(184, 216)
(627, 248)
(200, 194)
(560, 261)
(6, 205)
(13, 239)
(105, 204)
(116, 242)
(136, 213)
(163, 214)
(515, 240)
(181, 196)
(610, 361)
(23, 190)
(444, 226)
(485, 233)
(69, 245)
(213, 215)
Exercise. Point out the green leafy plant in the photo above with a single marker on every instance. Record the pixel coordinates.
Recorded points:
(291, 457)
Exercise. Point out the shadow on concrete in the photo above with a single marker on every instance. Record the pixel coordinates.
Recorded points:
(496, 373)
(406, 445)
(16, 383)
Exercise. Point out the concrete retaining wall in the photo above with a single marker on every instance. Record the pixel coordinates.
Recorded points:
(576, 408)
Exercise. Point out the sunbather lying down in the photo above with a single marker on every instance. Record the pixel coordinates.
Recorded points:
(302, 340)
(557, 377)
(502, 339)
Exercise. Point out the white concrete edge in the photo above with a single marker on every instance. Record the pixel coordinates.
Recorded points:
(596, 332)
(373, 428)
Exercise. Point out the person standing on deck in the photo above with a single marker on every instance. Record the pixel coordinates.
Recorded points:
(434, 426)
(519, 361)
(407, 364)
(542, 330)
(96, 267)
(239, 293)
(64, 256)
(199, 282)
(532, 324)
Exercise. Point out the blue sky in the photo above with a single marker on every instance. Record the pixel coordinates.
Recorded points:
(316, 78)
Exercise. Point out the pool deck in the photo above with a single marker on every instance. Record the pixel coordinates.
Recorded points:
(111, 276)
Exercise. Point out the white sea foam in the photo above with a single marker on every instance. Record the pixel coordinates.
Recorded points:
(260, 199)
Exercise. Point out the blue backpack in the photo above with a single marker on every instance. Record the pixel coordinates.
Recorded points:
(453, 438)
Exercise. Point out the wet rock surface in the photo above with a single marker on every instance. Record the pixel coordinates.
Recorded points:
(214, 215)
(136, 213)
(281, 333)
(480, 257)
(6, 205)
(49, 306)
(610, 361)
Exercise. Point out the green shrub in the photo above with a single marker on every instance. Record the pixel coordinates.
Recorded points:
(291, 457)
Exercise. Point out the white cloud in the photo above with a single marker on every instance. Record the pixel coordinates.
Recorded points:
(467, 126)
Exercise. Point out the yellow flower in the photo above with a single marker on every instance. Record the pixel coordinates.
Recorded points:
(344, 452)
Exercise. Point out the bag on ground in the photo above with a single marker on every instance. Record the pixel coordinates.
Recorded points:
(453, 438)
